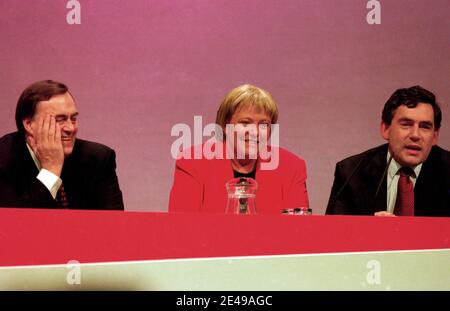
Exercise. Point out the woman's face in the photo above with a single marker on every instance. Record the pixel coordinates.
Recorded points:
(251, 127)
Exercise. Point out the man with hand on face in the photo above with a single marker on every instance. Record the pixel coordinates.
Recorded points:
(44, 165)
(408, 176)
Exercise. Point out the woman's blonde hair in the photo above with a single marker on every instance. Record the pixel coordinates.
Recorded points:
(246, 95)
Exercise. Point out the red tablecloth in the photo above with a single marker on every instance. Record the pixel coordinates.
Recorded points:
(37, 237)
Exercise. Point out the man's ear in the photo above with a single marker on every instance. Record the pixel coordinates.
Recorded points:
(384, 130)
(435, 137)
(27, 126)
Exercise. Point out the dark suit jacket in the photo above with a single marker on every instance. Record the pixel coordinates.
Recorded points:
(357, 179)
(88, 174)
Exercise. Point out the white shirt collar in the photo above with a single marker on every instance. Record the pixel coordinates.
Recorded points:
(394, 166)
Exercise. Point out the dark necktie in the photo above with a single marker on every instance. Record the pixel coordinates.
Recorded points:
(61, 198)
(404, 206)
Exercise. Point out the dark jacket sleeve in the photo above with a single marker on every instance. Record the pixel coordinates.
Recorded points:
(31, 194)
(337, 203)
(109, 195)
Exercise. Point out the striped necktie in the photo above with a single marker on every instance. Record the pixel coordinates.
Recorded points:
(61, 198)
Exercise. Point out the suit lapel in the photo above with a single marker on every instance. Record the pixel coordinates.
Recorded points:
(24, 166)
(374, 176)
(426, 189)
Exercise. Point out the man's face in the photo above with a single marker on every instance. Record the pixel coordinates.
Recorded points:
(411, 134)
(63, 108)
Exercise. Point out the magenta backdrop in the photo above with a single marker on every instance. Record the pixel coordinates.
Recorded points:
(138, 67)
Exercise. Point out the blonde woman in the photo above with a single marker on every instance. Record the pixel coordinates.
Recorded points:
(199, 184)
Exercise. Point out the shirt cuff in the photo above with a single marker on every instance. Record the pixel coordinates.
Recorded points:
(50, 181)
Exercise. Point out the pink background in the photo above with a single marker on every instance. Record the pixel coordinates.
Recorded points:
(138, 67)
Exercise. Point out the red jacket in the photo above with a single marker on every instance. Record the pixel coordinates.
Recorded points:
(199, 185)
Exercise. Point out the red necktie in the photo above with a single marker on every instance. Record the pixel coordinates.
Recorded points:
(404, 206)
(61, 198)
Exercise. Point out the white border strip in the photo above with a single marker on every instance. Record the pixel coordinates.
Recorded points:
(223, 258)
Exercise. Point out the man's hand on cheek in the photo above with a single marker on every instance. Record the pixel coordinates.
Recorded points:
(46, 144)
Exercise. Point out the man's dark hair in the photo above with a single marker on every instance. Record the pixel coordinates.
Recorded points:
(411, 97)
(36, 92)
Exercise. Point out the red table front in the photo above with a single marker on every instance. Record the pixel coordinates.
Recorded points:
(38, 237)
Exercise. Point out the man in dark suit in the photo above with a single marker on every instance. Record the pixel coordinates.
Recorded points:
(44, 165)
(408, 176)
